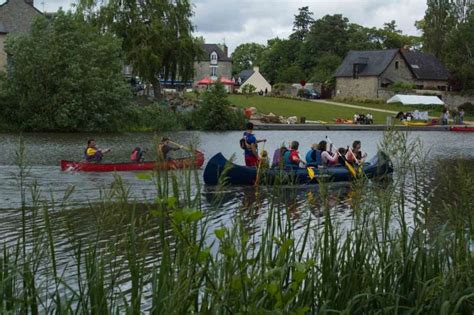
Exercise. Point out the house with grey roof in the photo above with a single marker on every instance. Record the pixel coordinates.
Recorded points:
(16, 17)
(255, 78)
(214, 63)
(369, 74)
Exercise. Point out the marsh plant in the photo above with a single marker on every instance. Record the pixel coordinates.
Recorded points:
(390, 259)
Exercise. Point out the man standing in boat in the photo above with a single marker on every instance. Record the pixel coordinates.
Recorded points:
(250, 145)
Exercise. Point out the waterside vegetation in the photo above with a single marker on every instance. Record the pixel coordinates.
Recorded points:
(391, 257)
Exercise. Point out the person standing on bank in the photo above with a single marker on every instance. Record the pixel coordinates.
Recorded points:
(250, 145)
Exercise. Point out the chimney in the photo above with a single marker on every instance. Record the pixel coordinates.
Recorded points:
(256, 69)
(30, 2)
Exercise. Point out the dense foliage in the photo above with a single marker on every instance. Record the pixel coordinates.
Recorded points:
(448, 33)
(64, 76)
(215, 112)
(156, 35)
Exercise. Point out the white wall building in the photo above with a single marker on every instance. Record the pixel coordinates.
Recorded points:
(255, 78)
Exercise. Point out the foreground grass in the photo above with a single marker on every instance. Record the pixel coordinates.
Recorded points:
(303, 108)
(380, 263)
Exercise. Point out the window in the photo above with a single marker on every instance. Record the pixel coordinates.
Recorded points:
(419, 87)
(213, 71)
(213, 58)
(355, 71)
(384, 85)
(397, 64)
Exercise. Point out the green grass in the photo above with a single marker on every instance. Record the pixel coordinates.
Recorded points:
(310, 110)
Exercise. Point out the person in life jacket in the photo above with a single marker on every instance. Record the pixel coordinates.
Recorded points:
(313, 156)
(355, 154)
(327, 158)
(292, 158)
(137, 155)
(277, 161)
(92, 153)
(249, 144)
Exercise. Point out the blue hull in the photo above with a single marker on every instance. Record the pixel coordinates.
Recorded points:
(219, 167)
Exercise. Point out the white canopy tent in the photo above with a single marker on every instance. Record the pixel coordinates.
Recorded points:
(415, 100)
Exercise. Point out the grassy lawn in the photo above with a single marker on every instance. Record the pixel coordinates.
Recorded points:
(310, 110)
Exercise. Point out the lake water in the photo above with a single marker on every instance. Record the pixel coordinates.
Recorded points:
(44, 151)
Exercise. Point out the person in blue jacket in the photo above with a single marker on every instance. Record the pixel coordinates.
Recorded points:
(313, 156)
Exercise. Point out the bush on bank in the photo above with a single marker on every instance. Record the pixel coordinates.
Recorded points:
(65, 76)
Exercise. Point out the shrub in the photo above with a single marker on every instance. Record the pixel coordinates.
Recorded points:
(215, 112)
(153, 117)
(401, 86)
(300, 93)
(248, 89)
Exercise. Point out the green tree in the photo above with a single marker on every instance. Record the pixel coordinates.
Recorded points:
(156, 35)
(279, 55)
(439, 20)
(325, 68)
(65, 76)
(245, 56)
(215, 112)
(460, 59)
(302, 24)
(291, 74)
(390, 37)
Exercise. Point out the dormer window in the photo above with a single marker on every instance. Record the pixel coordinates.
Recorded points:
(355, 71)
(397, 65)
(213, 58)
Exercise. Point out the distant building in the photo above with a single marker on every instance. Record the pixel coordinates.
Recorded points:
(214, 63)
(255, 78)
(369, 74)
(16, 17)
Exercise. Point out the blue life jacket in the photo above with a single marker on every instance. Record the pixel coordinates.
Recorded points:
(287, 162)
(311, 161)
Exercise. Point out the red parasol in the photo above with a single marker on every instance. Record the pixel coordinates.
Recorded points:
(205, 81)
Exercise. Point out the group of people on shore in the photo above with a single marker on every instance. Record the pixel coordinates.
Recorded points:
(363, 119)
(319, 155)
(94, 154)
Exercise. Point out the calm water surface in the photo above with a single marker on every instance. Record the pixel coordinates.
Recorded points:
(44, 151)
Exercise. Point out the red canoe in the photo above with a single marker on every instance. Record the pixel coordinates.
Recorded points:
(184, 163)
(462, 129)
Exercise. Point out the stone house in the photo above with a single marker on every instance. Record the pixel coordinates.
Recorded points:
(255, 78)
(370, 74)
(214, 63)
(16, 17)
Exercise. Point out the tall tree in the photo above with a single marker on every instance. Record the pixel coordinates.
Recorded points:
(66, 76)
(156, 36)
(460, 59)
(302, 23)
(279, 55)
(439, 20)
(245, 56)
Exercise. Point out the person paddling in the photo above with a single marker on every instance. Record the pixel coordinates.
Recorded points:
(313, 156)
(355, 154)
(164, 148)
(250, 145)
(327, 158)
(92, 153)
(292, 158)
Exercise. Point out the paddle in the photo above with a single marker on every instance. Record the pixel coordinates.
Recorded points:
(346, 163)
(259, 166)
(183, 147)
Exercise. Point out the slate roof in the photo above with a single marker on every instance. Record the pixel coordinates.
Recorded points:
(245, 75)
(209, 48)
(373, 62)
(425, 66)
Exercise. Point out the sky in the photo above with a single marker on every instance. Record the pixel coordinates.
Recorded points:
(242, 21)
